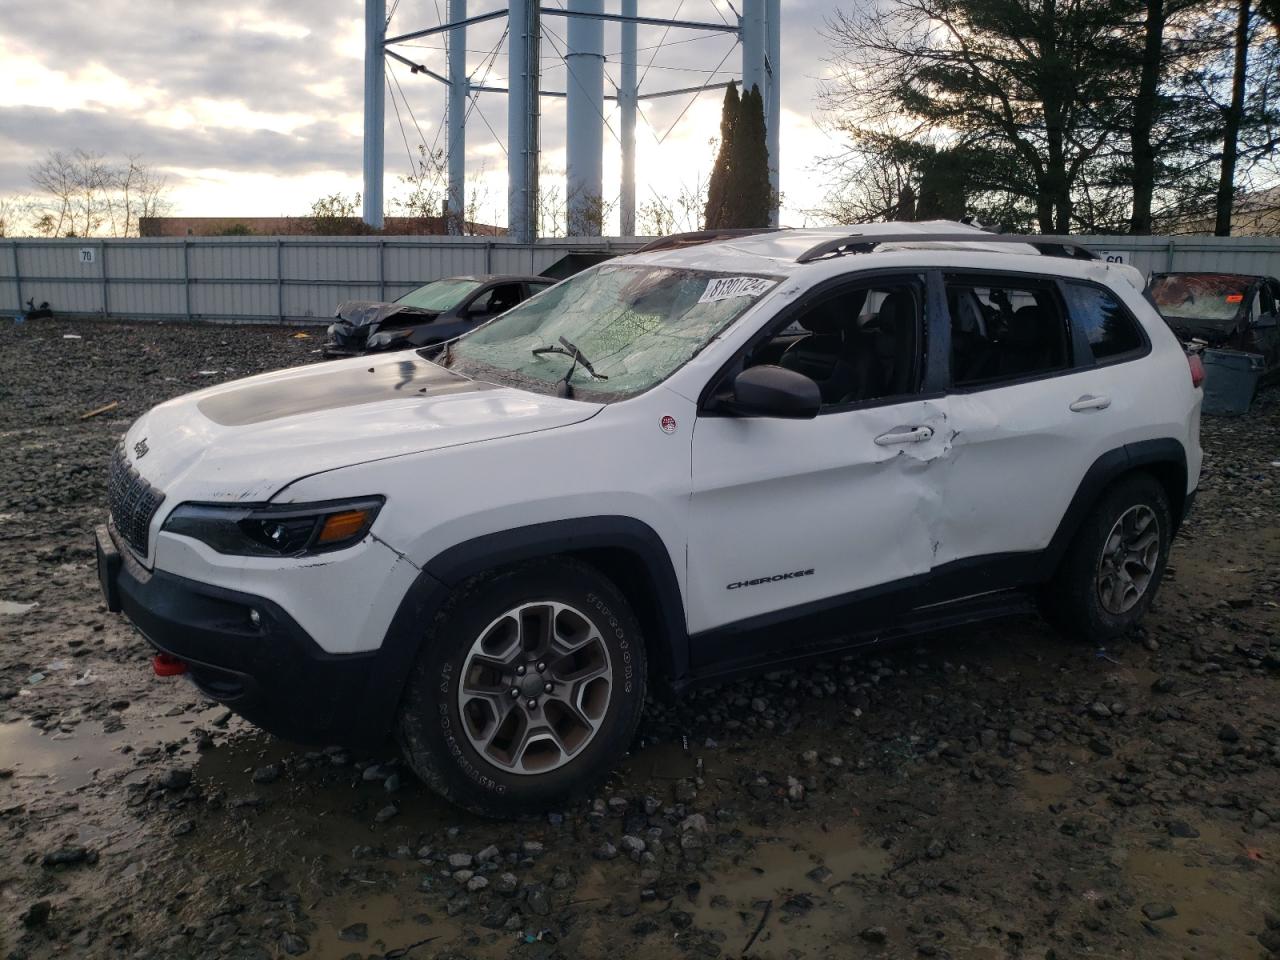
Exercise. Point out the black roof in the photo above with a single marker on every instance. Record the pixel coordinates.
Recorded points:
(500, 277)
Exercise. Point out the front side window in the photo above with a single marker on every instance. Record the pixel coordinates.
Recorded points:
(859, 343)
(440, 295)
(1107, 325)
(608, 333)
(1266, 298)
(1004, 331)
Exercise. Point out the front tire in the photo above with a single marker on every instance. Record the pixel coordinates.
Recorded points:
(528, 688)
(1110, 574)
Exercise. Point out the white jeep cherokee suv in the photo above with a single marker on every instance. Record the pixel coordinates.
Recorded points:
(720, 453)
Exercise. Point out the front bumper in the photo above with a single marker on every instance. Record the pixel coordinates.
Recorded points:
(333, 350)
(270, 672)
(345, 340)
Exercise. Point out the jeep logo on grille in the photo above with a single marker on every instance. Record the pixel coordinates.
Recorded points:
(140, 448)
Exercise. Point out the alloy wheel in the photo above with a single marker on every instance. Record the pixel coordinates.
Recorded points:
(535, 687)
(1129, 559)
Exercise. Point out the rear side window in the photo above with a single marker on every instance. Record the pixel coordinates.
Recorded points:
(1002, 331)
(1106, 324)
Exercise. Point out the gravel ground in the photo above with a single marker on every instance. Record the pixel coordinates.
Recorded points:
(998, 792)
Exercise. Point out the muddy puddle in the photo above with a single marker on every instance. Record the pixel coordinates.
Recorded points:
(1220, 883)
(91, 752)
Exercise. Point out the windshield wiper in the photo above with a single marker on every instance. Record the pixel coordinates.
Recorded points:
(565, 388)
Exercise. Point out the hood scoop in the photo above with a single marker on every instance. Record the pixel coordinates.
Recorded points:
(346, 386)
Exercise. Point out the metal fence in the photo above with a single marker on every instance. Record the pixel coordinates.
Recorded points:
(301, 279)
(1249, 255)
(253, 279)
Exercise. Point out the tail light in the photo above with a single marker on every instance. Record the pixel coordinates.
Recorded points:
(1197, 369)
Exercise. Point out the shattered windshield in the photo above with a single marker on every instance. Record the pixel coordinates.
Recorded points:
(1209, 299)
(440, 295)
(634, 325)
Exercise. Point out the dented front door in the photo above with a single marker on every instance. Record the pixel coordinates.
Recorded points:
(791, 512)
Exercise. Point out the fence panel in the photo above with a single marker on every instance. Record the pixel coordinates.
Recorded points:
(301, 279)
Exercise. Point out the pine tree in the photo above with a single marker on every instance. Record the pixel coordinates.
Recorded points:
(718, 189)
(751, 192)
(943, 185)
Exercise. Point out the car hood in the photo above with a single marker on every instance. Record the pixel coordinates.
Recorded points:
(364, 313)
(244, 441)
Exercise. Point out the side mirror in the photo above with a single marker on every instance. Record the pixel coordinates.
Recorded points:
(772, 391)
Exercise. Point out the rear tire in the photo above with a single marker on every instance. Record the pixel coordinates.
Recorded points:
(1113, 568)
(527, 690)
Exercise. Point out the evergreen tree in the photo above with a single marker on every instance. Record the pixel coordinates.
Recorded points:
(944, 184)
(751, 196)
(718, 189)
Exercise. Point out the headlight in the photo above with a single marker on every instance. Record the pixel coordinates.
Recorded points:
(288, 530)
(390, 337)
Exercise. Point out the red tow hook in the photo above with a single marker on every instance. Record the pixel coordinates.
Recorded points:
(167, 665)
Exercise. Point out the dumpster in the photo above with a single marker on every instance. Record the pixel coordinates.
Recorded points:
(1230, 380)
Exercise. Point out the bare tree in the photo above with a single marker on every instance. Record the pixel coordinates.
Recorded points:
(552, 208)
(426, 186)
(137, 191)
(661, 215)
(869, 184)
(82, 194)
(15, 212)
(55, 177)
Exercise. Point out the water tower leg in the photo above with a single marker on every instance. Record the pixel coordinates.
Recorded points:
(627, 109)
(584, 58)
(773, 103)
(455, 203)
(523, 63)
(375, 31)
(753, 46)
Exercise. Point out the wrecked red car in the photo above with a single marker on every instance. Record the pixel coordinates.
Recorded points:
(1223, 310)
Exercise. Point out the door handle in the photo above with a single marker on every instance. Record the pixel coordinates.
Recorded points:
(1090, 402)
(909, 435)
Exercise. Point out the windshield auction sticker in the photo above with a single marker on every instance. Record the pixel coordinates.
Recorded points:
(726, 288)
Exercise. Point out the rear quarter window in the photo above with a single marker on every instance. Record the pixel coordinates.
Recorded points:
(1111, 330)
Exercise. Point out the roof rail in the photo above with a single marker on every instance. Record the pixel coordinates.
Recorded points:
(695, 237)
(867, 242)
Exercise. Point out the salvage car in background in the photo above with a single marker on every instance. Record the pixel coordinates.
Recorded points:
(1231, 321)
(1224, 310)
(439, 311)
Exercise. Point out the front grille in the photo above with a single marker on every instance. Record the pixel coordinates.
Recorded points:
(132, 502)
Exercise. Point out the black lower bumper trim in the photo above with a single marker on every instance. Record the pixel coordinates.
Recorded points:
(270, 672)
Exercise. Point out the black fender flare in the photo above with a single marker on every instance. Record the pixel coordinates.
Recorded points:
(1166, 454)
(657, 598)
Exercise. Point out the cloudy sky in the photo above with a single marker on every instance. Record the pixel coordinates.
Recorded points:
(255, 108)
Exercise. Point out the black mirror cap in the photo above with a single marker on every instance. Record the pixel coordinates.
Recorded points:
(772, 391)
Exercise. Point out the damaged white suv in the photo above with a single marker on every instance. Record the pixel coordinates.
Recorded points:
(720, 453)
